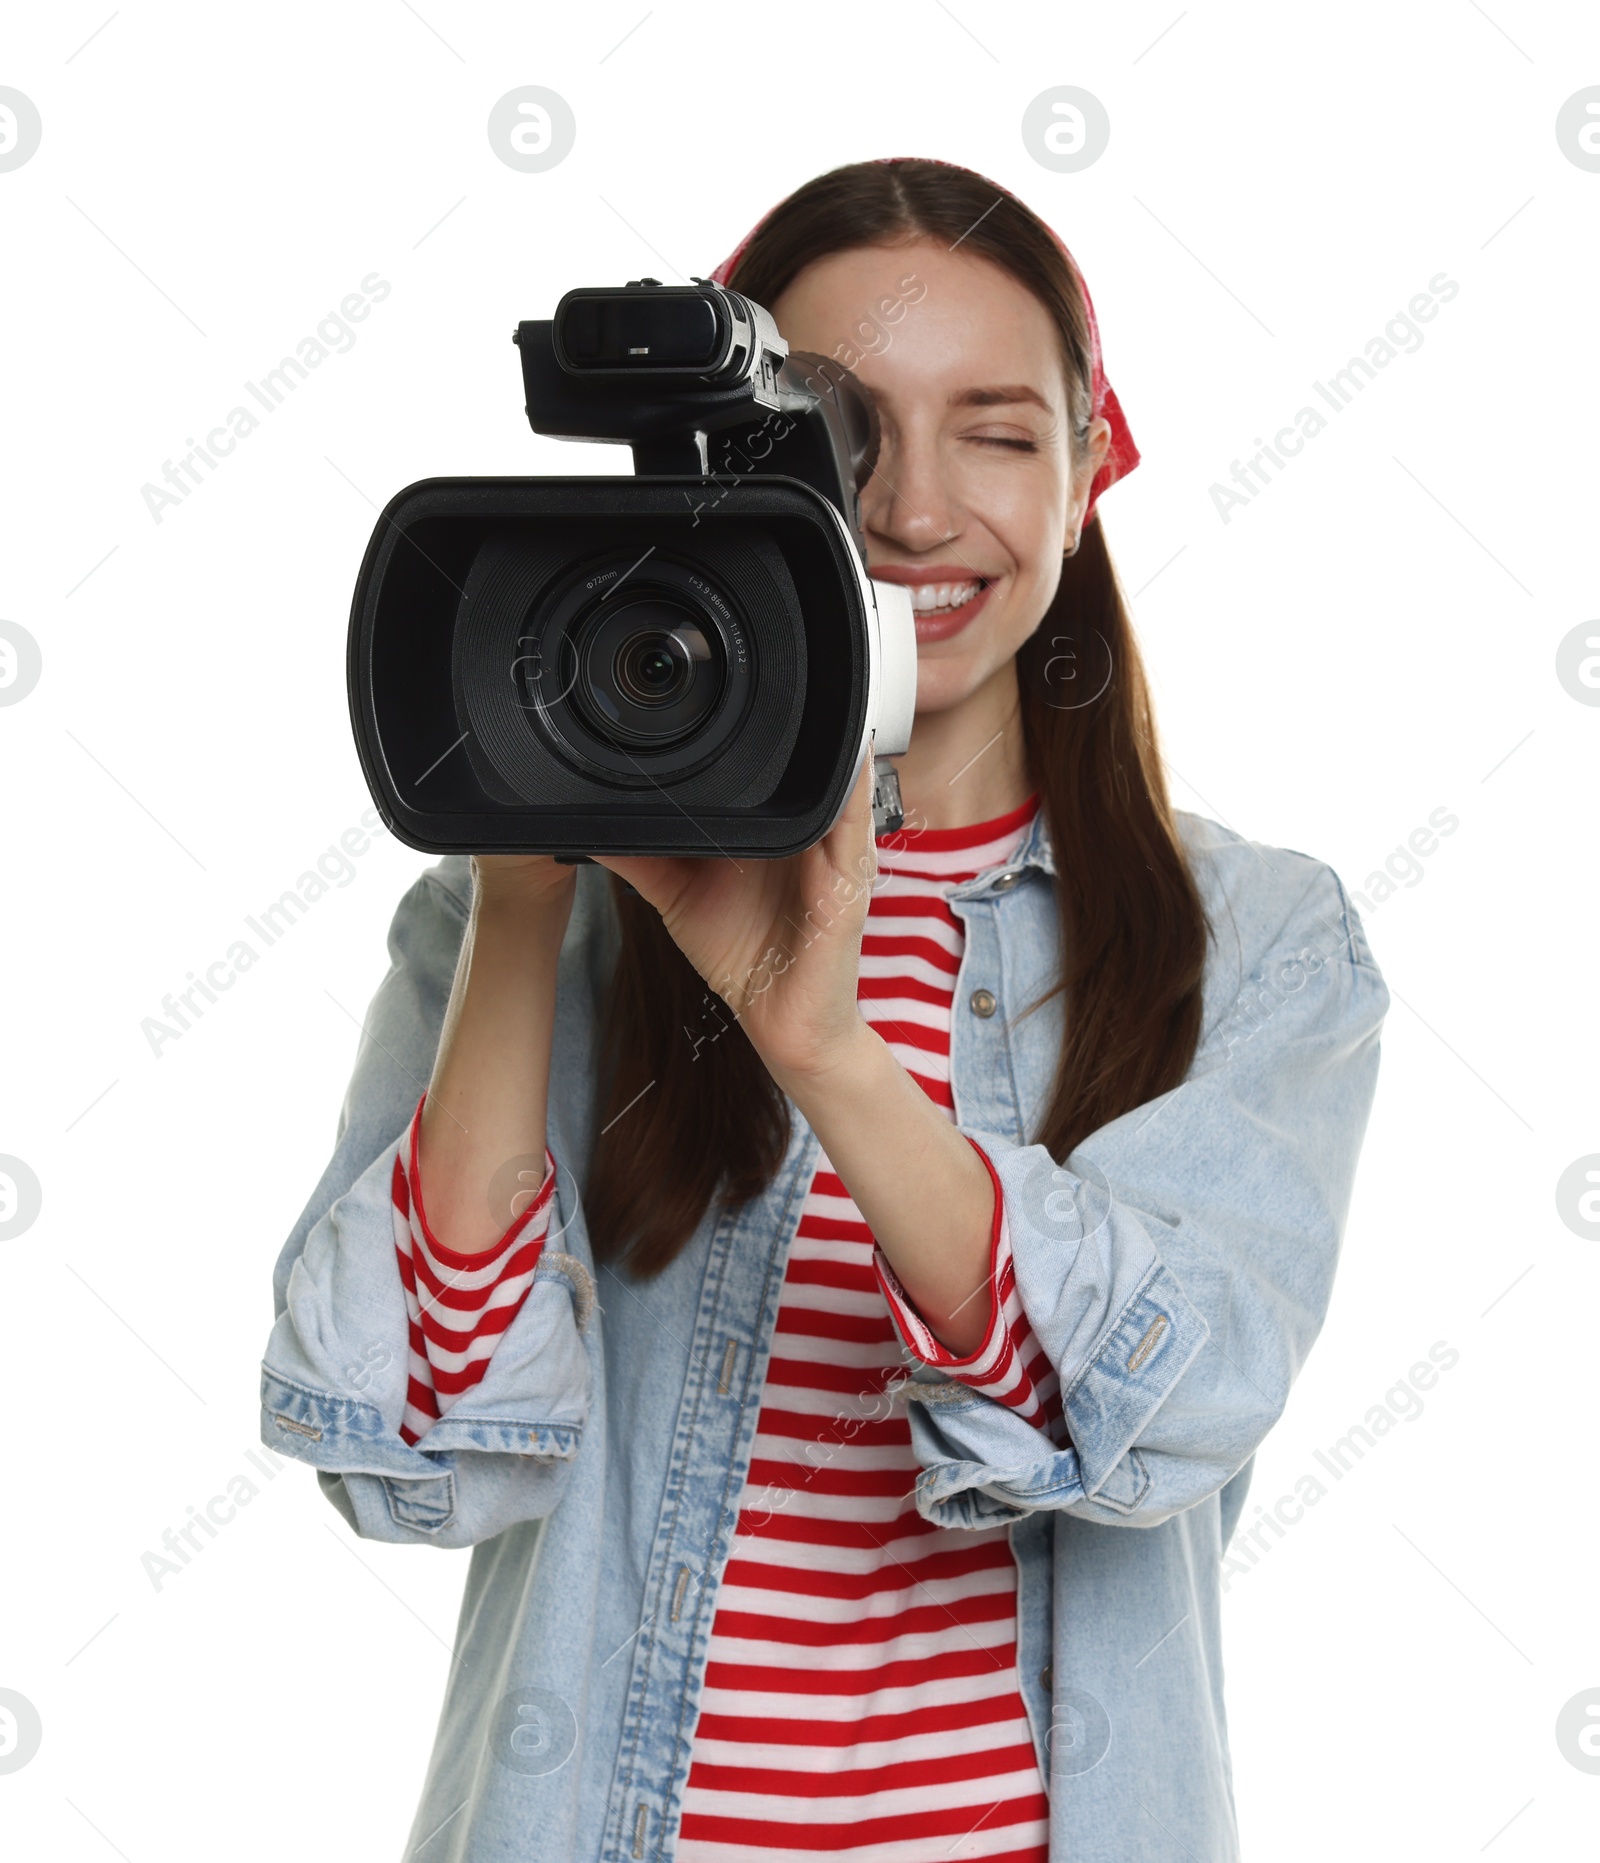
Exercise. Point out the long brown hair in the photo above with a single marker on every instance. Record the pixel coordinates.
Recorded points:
(704, 1117)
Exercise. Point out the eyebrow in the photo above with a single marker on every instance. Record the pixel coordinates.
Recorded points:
(999, 396)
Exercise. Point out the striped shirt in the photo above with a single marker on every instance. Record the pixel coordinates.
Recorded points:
(860, 1696)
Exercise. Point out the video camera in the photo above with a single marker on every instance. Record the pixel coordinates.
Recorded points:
(691, 661)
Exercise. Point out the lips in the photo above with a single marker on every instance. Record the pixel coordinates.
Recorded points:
(945, 597)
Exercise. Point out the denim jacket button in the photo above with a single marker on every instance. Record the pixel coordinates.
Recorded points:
(1046, 1675)
(1003, 882)
(982, 1002)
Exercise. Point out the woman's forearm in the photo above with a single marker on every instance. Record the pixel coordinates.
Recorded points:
(921, 1189)
(489, 1096)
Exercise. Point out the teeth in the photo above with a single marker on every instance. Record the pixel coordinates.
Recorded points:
(929, 596)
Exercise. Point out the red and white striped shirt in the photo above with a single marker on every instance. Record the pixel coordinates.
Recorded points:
(860, 1696)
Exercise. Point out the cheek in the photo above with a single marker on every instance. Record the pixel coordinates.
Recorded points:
(1026, 516)
(1023, 506)
(1030, 602)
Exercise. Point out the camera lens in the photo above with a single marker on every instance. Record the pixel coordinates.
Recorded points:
(654, 668)
(592, 659)
(648, 672)
(651, 670)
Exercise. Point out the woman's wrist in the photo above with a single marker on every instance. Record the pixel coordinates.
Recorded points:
(837, 1059)
(538, 899)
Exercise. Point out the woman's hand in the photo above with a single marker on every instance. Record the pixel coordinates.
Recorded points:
(778, 940)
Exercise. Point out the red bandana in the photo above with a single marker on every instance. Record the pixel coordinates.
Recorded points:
(1121, 455)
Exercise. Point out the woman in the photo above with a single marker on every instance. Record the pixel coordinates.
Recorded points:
(821, 1265)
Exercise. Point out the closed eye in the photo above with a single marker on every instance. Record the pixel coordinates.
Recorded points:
(1021, 446)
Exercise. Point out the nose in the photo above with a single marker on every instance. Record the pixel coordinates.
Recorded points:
(909, 500)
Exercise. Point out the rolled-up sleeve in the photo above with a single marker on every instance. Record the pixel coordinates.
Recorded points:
(1177, 1267)
(459, 1305)
(1008, 1364)
(335, 1376)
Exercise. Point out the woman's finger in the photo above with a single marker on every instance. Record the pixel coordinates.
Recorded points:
(852, 845)
(650, 875)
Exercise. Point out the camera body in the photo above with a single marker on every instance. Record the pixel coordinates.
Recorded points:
(690, 661)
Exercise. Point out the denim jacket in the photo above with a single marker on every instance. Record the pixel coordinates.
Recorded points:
(1176, 1268)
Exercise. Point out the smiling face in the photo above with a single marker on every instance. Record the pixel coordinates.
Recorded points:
(978, 488)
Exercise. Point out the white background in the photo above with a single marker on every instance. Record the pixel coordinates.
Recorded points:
(1373, 638)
